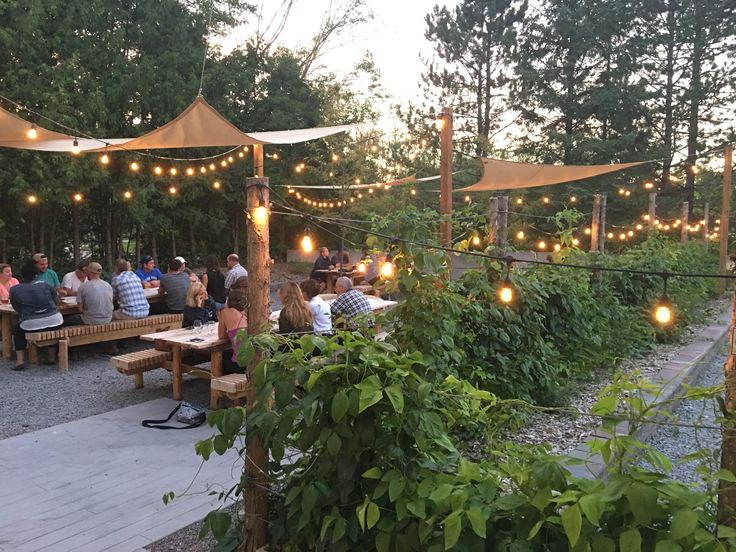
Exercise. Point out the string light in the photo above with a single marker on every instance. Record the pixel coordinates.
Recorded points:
(202, 169)
(506, 290)
(241, 154)
(663, 310)
(158, 170)
(134, 166)
(387, 270)
(212, 166)
(621, 191)
(357, 180)
(542, 245)
(216, 185)
(127, 194)
(105, 159)
(32, 133)
(370, 190)
(245, 149)
(639, 227)
(230, 159)
(361, 267)
(610, 235)
(520, 235)
(331, 174)
(260, 215)
(476, 240)
(648, 185)
(275, 157)
(190, 171)
(75, 147)
(223, 163)
(413, 192)
(519, 201)
(32, 199)
(627, 193)
(298, 168)
(467, 199)
(173, 171)
(587, 231)
(173, 190)
(575, 241)
(306, 243)
(78, 197)
(545, 199)
(573, 199)
(335, 157)
(622, 236)
(557, 247)
(374, 148)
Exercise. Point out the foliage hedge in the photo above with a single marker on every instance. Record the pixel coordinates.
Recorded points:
(565, 323)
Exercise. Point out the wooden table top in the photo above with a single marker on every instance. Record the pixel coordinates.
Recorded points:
(69, 305)
(377, 304)
(185, 337)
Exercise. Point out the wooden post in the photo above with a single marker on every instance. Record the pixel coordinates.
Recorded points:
(503, 221)
(725, 214)
(596, 224)
(706, 221)
(727, 491)
(75, 231)
(652, 210)
(446, 177)
(602, 219)
(259, 280)
(258, 160)
(684, 218)
(492, 220)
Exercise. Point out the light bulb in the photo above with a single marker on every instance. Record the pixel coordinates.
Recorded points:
(357, 180)
(291, 190)
(609, 235)
(360, 196)
(387, 270)
(223, 163)
(639, 227)
(335, 157)
(298, 169)
(172, 190)
(587, 231)
(331, 174)
(134, 166)
(557, 247)
(506, 292)
(77, 197)
(127, 194)
(622, 236)
(173, 171)
(104, 159)
(542, 245)
(663, 311)
(573, 199)
(627, 193)
(32, 133)
(519, 201)
(476, 240)
(621, 191)
(158, 170)
(413, 192)
(630, 233)
(645, 217)
(230, 159)
(190, 171)
(467, 199)
(203, 169)
(361, 267)
(241, 154)
(520, 235)
(32, 199)
(275, 157)
(374, 148)
(212, 166)
(306, 244)
(75, 147)
(648, 185)
(245, 149)
(439, 124)
(545, 200)
(216, 185)
(370, 190)
(303, 165)
(260, 215)
(575, 241)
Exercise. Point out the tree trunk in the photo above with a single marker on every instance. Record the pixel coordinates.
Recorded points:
(173, 243)
(727, 490)
(192, 242)
(52, 236)
(669, 70)
(695, 94)
(154, 248)
(75, 233)
(236, 231)
(137, 243)
(108, 232)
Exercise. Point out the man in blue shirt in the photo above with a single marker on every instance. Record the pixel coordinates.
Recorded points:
(148, 273)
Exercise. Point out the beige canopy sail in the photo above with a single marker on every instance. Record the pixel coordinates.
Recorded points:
(509, 175)
(198, 126)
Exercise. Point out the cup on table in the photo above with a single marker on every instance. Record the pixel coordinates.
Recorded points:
(197, 326)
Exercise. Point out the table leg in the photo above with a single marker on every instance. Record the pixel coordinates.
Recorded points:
(7, 329)
(330, 283)
(176, 370)
(216, 371)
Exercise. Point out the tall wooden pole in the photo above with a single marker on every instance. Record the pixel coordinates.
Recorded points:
(596, 224)
(706, 221)
(725, 214)
(446, 177)
(258, 160)
(652, 210)
(503, 221)
(684, 221)
(492, 220)
(602, 220)
(259, 280)
(727, 491)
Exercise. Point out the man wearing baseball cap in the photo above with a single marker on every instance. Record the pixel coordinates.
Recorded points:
(95, 297)
(45, 272)
(148, 273)
(192, 276)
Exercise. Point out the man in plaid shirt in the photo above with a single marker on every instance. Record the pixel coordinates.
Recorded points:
(351, 304)
(128, 292)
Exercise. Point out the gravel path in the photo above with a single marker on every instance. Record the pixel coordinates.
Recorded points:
(677, 442)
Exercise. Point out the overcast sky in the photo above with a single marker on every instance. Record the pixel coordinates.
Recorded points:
(395, 37)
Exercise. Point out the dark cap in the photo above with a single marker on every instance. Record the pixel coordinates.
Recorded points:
(146, 259)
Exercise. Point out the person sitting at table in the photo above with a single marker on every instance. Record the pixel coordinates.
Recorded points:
(321, 266)
(72, 280)
(351, 305)
(94, 298)
(46, 273)
(321, 314)
(129, 294)
(174, 286)
(198, 306)
(36, 303)
(188, 271)
(295, 316)
(214, 281)
(235, 270)
(233, 318)
(6, 282)
(148, 274)
(341, 258)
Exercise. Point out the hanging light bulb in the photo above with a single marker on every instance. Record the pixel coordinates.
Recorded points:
(230, 159)
(298, 169)
(172, 190)
(352, 200)
(245, 149)
(216, 185)
(190, 171)
(506, 290)
(335, 157)
(223, 163)
(542, 245)
(158, 170)
(357, 180)
(212, 166)
(573, 199)
(374, 148)
(663, 309)
(361, 267)
(586, 231)
(627, 193)
(32, 199)
(134, 166)
(306, 243)
(260, 215)
(648, 185)
(639, 227)
(557, 247)
(545, 199)
(645, 217)
(622, 236)
(275, 157)
(173, 171)
(105, 159)
(476, 240)
(370, 190)
(520, 235)
(519, 201)
(467, 199)
(75, 147)
(127, 194)
(413, 192)
(202, 169)
(575, 241)
(360, 196)
(621, 191)
(387, 270)
(241, 154)
(32, 133)
(78, 197)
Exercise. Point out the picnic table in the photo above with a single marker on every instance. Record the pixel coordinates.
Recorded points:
(377, 305)
(67, 306)
(204, 340)
(331, 276)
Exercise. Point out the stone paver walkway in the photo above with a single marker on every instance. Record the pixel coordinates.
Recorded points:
(96, 484)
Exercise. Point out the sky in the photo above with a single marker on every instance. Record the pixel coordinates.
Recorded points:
(395, 37)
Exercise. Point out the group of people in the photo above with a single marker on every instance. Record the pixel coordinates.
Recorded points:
(340, 261)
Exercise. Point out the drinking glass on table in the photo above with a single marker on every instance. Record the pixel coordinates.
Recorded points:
(197, 326)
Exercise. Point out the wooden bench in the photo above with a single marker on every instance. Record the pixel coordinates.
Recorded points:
(74, 336)
(134, 364)
(232, 386)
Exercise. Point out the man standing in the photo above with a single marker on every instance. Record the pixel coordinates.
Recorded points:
(95, 297)
(72, 280)
(351, 305)
(174, 285)
(235, 270)
(45, 272)
(148, 273)
(128, 292)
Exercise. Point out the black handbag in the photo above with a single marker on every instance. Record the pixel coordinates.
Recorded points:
(190, 415)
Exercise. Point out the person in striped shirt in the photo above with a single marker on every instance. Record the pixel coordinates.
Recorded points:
(128, 292)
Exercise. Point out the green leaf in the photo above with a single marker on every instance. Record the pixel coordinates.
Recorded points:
(602, 544)
(326, 522)
(683, 523)
(372, 473)
(572, 522)
(667, 546)
(477, 521)
(726, 475)
(333, 444)
(340, 404)
(535, 529)
(219, 523)
(383, 542)
(630, 541)
(232, 421)
(396, 396)
(338, 532)
(373, 514)
(453, 526)
(643, 502)
(395, 488)
(220, 444)
(360, 512)
(591, 505)
(423, 392)
(441, 493)
(726, 532)
(245, 351)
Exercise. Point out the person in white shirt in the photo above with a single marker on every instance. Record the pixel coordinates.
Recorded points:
(321, 315)
(72, 280)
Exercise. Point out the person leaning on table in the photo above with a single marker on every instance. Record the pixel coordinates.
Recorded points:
(128, 292)
(174, 286)
(47, 274)
(94, 298)
(148, 274)
(72, 280)
(351, 305)
(36, 303)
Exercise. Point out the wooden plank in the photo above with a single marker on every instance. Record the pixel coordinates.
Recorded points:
(176, 371)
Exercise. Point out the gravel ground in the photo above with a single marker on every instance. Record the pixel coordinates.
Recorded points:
(677, 442)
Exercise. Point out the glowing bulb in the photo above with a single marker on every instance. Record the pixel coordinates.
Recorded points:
(298, 169)
(587, 231)
(645, 217)
(639, 227)
(520, 235)
(173, 171)
(542, 245)
(158, 170)
(360, 196)
(230, 159)
(216, 185)
(557, 247)
(357, 180)
(245, 149)
(694, 169)
(648, 185)
(203, 169)
(306, 244)
(352, 200)
(506, 292)
(476, 240)
(374, 148)
(75, 147)
(32, 199)
(77, 197)
(223, 163)
(628, 193)
(573, 199)
(303, 165)
(190, 171)
(519, 201)
(241, 154)
(331, 174)
(666, 226)
(575, 241)
(622, 236)
(172, 190)
(335, 157)
(439, 124)
(621, 191)
(663, 311)
(610, 235)
(134, 166)
(423, 143)
(467, 199)
(291, 190)
(332, 205)
(127, 194)
(413, 192)
(212, 166)
(361, 267)
(32, 133)
(275, 157)
(260, 215)
(387, 270)
(104, 159)
(370, 190)
(545, 200)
